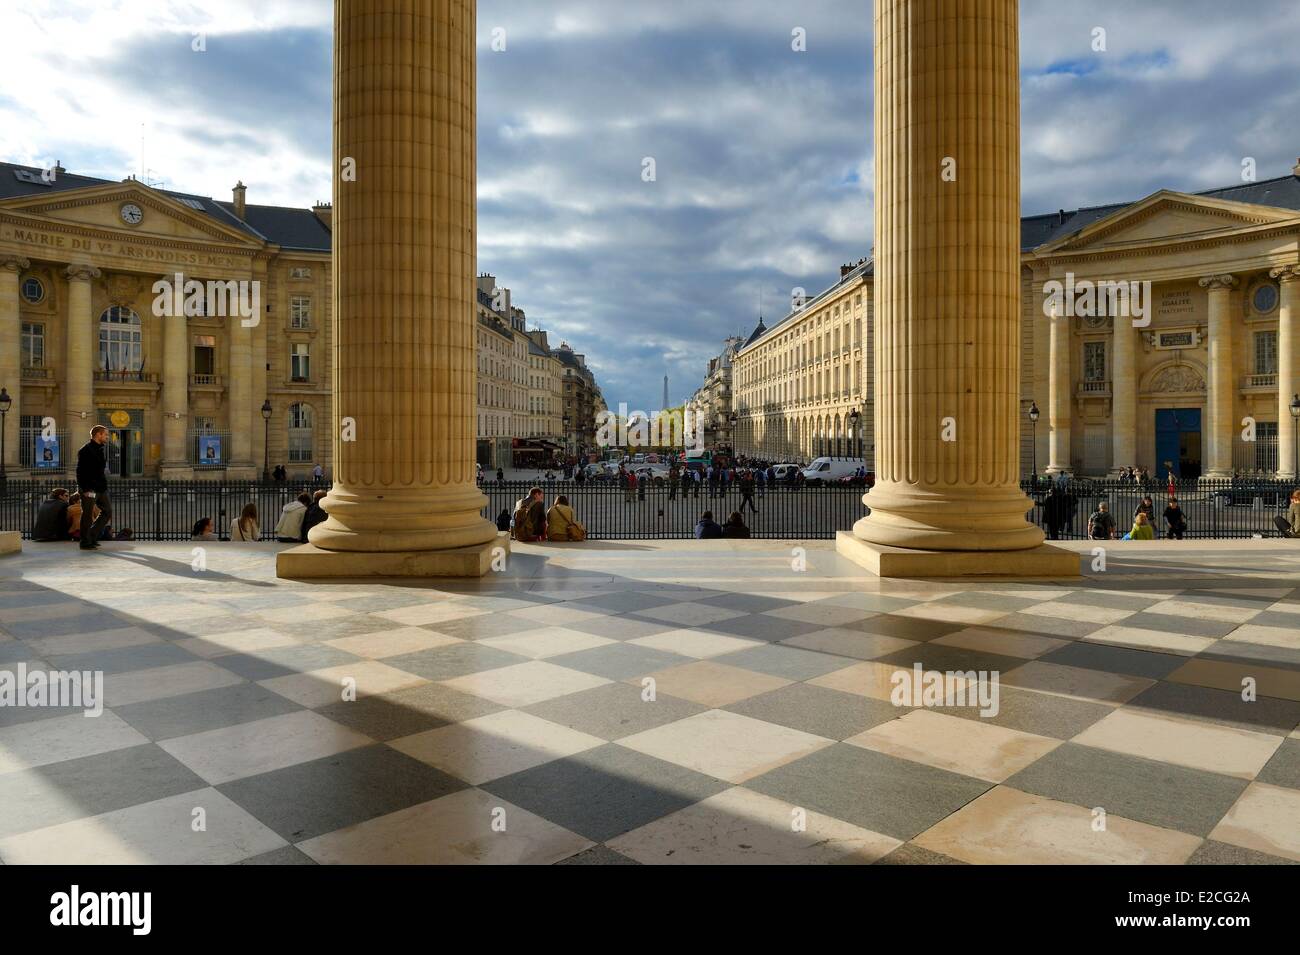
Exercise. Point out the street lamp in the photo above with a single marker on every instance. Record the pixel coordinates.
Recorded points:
(266, 440)
(1033, 444)
(5, 403)
(854, 415)
(1295, 432)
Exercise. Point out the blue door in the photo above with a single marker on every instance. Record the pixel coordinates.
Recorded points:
(1178, 443)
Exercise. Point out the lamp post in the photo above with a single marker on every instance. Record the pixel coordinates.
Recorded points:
(854, 416)
(1033, 444)
(5, 403)
(266, 440)
(1295, 431)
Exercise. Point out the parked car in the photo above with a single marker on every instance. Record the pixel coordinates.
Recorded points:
(828, 470)
(658, 473)
(782, 471)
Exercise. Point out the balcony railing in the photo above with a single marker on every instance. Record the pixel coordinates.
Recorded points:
(1260, 381)
(126, 377)
(205, 380)
(36, 373)
(1094, 387)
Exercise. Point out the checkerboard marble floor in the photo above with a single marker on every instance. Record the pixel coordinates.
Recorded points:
(511, 720)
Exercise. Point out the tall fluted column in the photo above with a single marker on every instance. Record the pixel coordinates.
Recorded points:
(1058, 394)
(1288, 366)
(239, 392)
(257, 364)
(947, 279)
(404, 266)
(11, 372)
(1219, 383)
(1123, 394)
(175, 393)
(83, 345)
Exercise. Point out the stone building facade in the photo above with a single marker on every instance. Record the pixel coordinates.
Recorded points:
(1196, 373)
(85, 338)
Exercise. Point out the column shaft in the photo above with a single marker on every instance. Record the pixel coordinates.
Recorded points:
(239, 391)
(1219, 383)
(404, 279)
(1058, 394)
(1288, 367)
(947, 278)
(83, 346)
(1123, 392)
(175, 392)
(11, 373)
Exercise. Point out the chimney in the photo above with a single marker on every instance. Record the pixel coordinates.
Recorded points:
(239, 191)
(325, 213)
(845, 270)
(1295, 170)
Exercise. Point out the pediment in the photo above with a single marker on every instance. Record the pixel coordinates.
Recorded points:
(1170, 217)
(101, 207)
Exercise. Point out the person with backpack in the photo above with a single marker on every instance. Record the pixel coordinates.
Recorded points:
(529, 523)
(1101, 525)
(562, 524)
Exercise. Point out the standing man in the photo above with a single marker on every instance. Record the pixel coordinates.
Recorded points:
(747, 491)
(92, 479)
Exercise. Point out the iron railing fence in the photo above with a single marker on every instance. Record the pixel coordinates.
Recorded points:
(1212, 509)
(167, 510)
(160, 510)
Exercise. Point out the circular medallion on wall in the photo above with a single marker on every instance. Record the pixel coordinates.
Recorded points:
(1263, 297)
(131, 213)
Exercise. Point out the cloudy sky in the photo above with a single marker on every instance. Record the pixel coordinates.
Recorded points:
(763, 154)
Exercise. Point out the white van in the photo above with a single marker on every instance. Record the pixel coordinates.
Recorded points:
(827, 470)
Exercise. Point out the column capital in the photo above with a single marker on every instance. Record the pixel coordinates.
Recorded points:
(1223, 281)
(13, 263)
(82, 272)
(1285, 273)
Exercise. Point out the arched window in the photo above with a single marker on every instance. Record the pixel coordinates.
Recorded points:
(301, 432)
(120, 347)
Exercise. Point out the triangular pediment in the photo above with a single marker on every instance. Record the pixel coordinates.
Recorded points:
(109, 206)
(1167, 217)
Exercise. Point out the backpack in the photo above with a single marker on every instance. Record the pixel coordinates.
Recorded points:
(519, 526)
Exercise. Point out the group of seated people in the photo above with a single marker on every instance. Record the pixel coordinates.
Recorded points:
(533, 522)
(709, 529)
(59, 518)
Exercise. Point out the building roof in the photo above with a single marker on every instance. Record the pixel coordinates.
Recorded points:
(1282, 192)
(289, 228)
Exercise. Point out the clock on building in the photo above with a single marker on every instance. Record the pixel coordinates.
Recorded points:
(131, 213)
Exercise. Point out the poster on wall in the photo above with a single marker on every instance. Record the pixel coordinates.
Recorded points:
(210, 449)
(47, 453)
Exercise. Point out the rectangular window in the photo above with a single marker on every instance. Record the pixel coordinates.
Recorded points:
(1094, 361)
(300, 361)
(1266, 353)
(300, 311)
(205, 358)
(33, 347)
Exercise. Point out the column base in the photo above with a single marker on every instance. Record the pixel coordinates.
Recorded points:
(885, 561)
(307, 561)
(11, 542)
